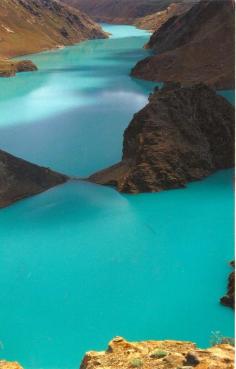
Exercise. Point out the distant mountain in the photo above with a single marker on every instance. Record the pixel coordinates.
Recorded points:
(29, 26)
(154, 21)
(120, 11)
(197, 46)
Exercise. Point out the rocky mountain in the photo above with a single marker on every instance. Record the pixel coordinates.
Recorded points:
(229, 298)
(197, 46)
(120, 11)
(159, 355)
(20, 179)
(182, 135)
(29, 26)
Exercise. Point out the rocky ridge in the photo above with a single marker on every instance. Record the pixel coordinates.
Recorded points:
(182, 135)
(194, 47)
(159, 355)
(20, 179)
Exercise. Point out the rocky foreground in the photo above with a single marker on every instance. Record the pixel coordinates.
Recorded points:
(122, 354)
(194, 47)
(20, 179)
(184, 134)
(159, 355)
(9, 68)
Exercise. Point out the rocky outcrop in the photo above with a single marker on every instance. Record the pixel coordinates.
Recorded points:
(122, 11)
(25, 66)
(31, 26)
(195, 47)
(154, 21)
(182, 135)
(9, 68)
(229, 298)
(20, 179)
(159, 355)
(9, 365)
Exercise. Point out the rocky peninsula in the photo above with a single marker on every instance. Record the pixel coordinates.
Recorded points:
(20, 179)
(184, 134)
(197, 46)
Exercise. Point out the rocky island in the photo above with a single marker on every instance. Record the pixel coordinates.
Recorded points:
(20, 179)
(229, 298)
(197, 46)
(182, 135)
(9, 68)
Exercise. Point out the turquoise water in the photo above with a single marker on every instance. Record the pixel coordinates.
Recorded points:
(82, 263)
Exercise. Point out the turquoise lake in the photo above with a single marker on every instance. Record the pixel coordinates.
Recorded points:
(82, 263)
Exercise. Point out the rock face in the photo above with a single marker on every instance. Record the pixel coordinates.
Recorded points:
(182, 135)
(9, 68)
(229, 299)
(28, 26)
(194, 47)
(159, 355)
(121, 11)
(9, 365)
(20, 179)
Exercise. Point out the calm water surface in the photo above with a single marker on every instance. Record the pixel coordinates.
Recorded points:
(82, 263)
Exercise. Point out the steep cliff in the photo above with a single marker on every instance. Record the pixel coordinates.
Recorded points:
(194, 47)
(183, 134)
(159, 355)
(20, 179)
(31, 26)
